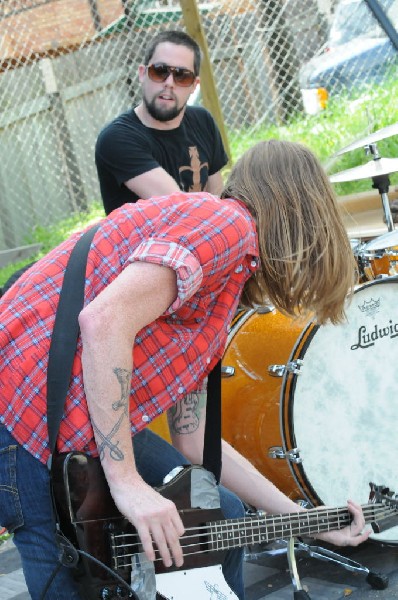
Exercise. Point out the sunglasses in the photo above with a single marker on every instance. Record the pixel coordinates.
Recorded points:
(159, 72)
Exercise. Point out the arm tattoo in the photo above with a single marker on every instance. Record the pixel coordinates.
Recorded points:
(185, 416)
(124, 378)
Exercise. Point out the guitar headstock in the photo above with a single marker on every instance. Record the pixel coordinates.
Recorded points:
(380, 494)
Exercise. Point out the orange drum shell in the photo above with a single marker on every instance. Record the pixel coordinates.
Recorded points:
(160, 426)
(251, 397)
(384, 264)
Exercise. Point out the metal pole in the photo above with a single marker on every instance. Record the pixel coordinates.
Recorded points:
(384, 21)
(208, 88)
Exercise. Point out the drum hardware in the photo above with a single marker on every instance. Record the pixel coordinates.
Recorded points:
(377, 581)
(293, 455)
(299, 592)
(263, 310)
(227, 371)
(387, 240)
(291, 367)
(378, 169)
(377, 258)
(291, 547)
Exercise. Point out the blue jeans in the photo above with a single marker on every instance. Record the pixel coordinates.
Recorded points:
(26, 510)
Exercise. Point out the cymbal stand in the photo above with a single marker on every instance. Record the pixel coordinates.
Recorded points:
(299, 592)
(290, 547)
(382, 184)
(377, 581)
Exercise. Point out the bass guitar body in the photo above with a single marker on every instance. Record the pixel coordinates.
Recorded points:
(103, 546)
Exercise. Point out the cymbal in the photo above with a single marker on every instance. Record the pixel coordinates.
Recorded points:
(365, 225)
(372, 138)
(380, 166)
(383, 241)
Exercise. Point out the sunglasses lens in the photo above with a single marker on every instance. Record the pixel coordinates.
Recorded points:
(183, 77)
(159, 72)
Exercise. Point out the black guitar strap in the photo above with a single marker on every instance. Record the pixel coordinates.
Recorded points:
(65, 334)
(62, 352)
(212, 445)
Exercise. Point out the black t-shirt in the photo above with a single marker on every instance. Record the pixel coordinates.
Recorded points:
(126, 148)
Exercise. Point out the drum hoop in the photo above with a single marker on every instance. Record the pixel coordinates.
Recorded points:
(287, 395)
(242, 315)
(286, 410)
(240, 318)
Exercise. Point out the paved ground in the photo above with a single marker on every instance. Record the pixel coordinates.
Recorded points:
(267, 575)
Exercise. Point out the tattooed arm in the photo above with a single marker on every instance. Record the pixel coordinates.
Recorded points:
(108, 326)
(186, 422)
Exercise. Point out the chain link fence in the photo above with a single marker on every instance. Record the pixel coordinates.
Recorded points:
(70, 66)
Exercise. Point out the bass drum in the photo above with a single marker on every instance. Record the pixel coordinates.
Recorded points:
(340, 410)
(326, 427)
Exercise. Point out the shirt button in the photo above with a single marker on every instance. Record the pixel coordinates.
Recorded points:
(208, 360)
(145, 418)
(180, 390)
(253, 263)
(239, 269)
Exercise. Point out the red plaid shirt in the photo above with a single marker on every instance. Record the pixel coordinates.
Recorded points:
(212, 246)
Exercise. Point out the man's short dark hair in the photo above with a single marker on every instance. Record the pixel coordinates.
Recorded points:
(179, 38)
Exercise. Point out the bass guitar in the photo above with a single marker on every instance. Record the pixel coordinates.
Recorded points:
(104, 549)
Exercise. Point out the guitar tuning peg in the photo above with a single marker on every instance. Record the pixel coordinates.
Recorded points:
(379, 492)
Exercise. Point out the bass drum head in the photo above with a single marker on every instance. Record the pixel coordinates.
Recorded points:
(341, 410)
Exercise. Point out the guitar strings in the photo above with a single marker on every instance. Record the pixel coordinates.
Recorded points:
(278, 520)
(339, 517)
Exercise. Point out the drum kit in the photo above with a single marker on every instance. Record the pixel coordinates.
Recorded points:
(377, 256)
(314, 407)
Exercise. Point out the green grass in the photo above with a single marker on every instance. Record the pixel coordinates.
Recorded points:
(344, 121)
(51, 236)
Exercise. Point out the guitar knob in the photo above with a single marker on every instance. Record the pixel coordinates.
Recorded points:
(121, 592)
(106, 594)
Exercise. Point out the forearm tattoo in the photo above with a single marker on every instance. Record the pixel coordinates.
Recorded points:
(124, 379)
(185, 416)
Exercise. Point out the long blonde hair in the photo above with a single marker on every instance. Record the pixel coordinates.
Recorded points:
(307, 265)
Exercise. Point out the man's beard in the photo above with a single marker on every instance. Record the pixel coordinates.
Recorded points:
(163, 115)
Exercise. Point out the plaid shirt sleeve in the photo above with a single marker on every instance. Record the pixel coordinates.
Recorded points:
(170, 254)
